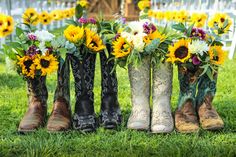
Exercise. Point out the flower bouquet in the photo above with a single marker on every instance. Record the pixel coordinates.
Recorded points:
(200, 49)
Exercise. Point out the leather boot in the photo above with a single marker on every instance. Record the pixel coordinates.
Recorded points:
(84, 118)
(110, 116)
(60, 119)
(140, 95)
(209, 118)
(37, 99)
(185, 116)
(162, 120)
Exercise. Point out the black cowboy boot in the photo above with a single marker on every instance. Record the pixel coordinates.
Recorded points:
(185, 116)
(36, 115)
(60, 119)
(83, 71)
(208, 116)
(110, 116)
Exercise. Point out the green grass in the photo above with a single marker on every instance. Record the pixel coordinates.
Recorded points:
(13, 104)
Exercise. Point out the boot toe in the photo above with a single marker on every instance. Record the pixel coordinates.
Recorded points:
(54, 126)
(213, 124)
(161, 128)
(187, 128)
(138, 125)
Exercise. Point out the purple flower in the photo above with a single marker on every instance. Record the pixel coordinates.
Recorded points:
(149, 28)
(196, 61)
(32, 51)
(146, 28)
(116, 37)
(153, 27)
(83, 20)
(123, 20)
(92, 21)
(199, 33)
(32, 37)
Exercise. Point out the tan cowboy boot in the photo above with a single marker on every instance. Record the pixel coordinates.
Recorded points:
(185, 118)
(162, 120)
(140, 95)
(209, 118)
(60, 119)
(37, 111)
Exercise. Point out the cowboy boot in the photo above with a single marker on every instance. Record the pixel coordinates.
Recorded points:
(110, 116)
(185, 116)
(84, 118)
(60, 119)
(162, 120)
(37, 101)
(140, 95)
(209, 118)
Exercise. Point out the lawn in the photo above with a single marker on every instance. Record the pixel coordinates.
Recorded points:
(124, 142)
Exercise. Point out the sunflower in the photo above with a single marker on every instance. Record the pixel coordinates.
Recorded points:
(121, 48)
(198, 19)
(30, 16)
(143, 4)
(154, 35)
(27, 66)
(182, 16)
(66, 14)
(218, 22)
(56, 15)
(6, 25)
(46, 63)
(217, 55)
(93, 41)
(72, 12)
(159, 15)
(179, 51)
(83, 3)
(45, 18)
(74, 34)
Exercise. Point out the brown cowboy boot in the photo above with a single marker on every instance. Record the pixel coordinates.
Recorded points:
(185, 119)
(37, 112)
(60, 119)
(209, 118)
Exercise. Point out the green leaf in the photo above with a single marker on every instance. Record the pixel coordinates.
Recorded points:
(189, 31)
(179, 27)
(79, 11)
(19, 31)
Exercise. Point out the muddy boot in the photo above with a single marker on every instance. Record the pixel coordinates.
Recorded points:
(162, 120)
(35, 117)
(60, 119)
(140, 95)
(185, 116)
(209, 118)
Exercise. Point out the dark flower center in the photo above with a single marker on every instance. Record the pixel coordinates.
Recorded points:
(222, 20)
(5, 30)
(27, 65)
(1, 23)
(9, 23)
(31, 14)
(44, 63)
(181, 52)
(94, 44)
(45, 20)
(216, 58)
